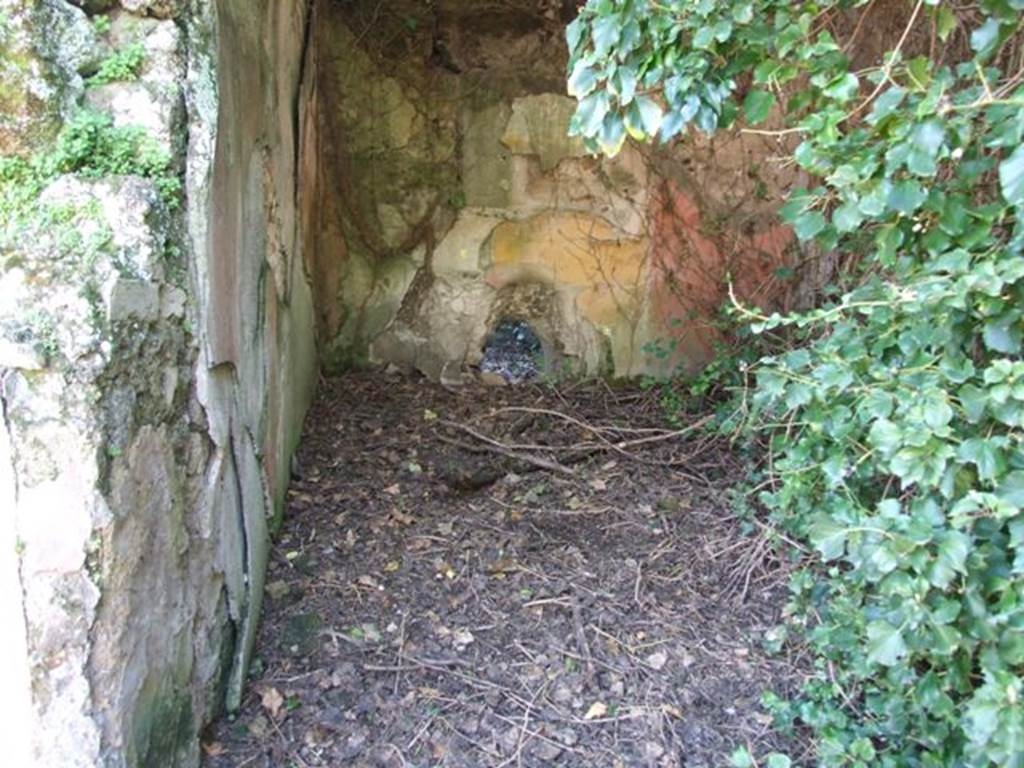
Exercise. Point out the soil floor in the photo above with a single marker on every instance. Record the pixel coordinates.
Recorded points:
(509, 576)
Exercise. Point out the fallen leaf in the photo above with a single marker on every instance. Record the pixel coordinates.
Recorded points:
(657, 660)
(272, 701)
(445, 571)
(214, 749)
(429, 415)
(598, 484)
(503, 566)
(462, 638)
(258, 727)
(278, 590)
(403, 519)
(597, 709)
(393, 490)
(392, 566)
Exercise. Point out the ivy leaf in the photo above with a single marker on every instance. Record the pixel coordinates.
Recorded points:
(954, 546)
(723, 30)
(847, 217)
(906, 196)
(984, 455)
(741, 758)
(574, 33)
(877, 404)
(704, 38)
(651, 115)
(929, 137)
(920, 71)
(885, 436)
(1011, 489)
(945, 23)
(885, 643)
(606, 31)
(590, 114)
(612, 136)
(926, 142)
(630, 36)
(985, 38)
(743, 14)
(707, 119)
(627, 81)
(1011, 177)
(808, 224)
(973, 400)
(798, 394)
(582, 81)
(674, 123)
(757, 106)
(886, 104)
(937, 411)
(873, 203)
(842, 88)
(829, 538)
(1003, 335)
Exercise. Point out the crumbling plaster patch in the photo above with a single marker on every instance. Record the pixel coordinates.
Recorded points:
(416, 261)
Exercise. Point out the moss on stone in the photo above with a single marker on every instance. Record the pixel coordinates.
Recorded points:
(164, 731)
(340, 358)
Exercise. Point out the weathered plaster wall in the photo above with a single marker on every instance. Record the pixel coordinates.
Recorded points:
(154, 373)
(453, 197)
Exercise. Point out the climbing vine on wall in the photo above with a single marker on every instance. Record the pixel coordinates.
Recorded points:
(894, 422)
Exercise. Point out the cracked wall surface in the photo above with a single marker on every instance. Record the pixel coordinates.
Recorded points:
(156, 360)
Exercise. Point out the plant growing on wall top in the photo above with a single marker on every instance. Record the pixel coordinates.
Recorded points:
(900, 455)
(122, 65)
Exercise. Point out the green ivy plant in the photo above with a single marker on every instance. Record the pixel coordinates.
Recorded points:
(895, 424)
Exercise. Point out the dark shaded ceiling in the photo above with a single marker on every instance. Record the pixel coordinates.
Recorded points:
(457, 37)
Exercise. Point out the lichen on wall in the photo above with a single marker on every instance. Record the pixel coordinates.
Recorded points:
(451, 189)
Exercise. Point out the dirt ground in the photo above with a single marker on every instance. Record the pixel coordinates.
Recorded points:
(509, 576)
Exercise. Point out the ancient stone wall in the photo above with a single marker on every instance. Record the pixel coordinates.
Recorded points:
(453, 198)
(156, 359)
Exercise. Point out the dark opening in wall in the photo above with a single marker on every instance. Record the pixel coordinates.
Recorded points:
(513, 351)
